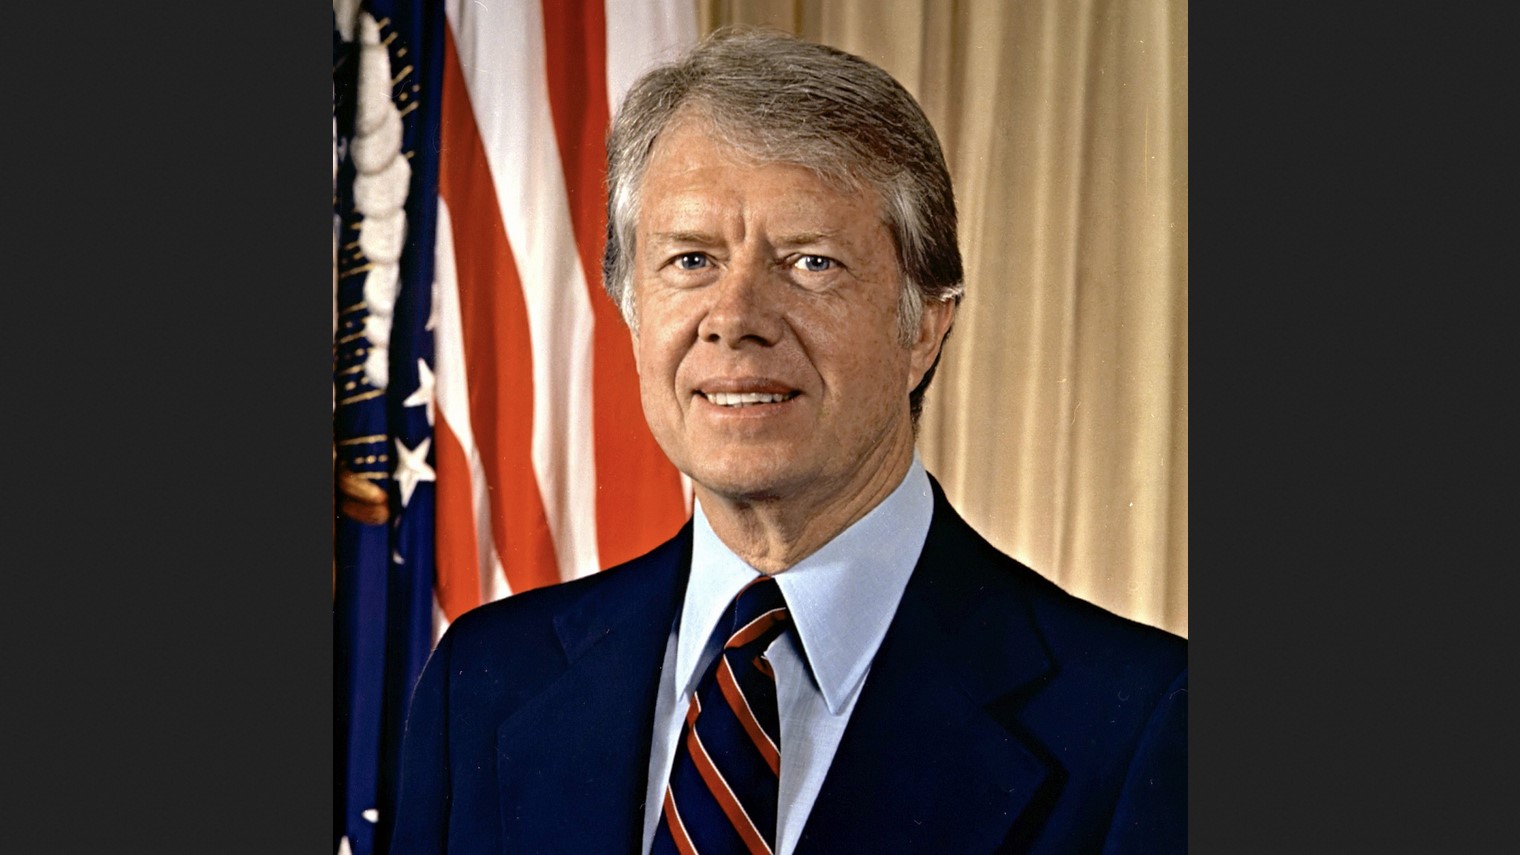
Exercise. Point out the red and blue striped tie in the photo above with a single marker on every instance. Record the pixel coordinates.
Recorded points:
(721, 797)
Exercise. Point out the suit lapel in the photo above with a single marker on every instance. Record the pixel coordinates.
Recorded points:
(923, 764)
(573, 762)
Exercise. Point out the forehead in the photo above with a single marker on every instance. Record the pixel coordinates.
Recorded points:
(690, 162)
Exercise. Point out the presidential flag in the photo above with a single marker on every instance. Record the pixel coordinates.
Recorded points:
(481, 376)
(386, 86)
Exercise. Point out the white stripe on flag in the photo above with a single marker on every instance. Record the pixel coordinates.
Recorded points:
(440, 621)
(452, 399)
(640, 34)
(501, 52)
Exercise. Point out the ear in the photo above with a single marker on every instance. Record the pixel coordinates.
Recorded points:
(932, 329)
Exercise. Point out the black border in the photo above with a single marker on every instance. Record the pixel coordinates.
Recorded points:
(1352, 172)
(167, 606)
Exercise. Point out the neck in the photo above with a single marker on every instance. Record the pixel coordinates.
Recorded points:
(772, 533)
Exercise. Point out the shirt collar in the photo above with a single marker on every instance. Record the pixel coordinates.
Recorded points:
(841, 598)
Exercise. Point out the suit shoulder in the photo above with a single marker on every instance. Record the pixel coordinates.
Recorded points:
(1072, 627)
(534, 611)
(1095, 631)
(1076, 626)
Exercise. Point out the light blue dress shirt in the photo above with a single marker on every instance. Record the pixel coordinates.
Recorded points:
(841, 599)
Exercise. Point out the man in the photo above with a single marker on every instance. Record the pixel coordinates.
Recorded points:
(782, 243)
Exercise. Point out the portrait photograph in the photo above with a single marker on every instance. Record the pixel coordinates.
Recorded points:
(760, 426)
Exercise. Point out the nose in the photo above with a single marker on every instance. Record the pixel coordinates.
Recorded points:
(744, 307)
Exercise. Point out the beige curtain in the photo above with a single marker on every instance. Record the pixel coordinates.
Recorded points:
(1058, 421)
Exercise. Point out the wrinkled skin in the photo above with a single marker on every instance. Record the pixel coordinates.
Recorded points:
(762, 278)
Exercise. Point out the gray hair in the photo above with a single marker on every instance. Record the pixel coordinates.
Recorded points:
(780, 99)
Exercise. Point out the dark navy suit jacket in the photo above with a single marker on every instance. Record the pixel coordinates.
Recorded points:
(1001, 714)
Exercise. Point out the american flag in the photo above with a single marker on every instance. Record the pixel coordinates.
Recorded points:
(493, 393)
(546, 469)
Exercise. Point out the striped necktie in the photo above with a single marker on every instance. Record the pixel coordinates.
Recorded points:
(721, 796)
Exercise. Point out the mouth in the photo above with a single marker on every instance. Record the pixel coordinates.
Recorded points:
(747, 399)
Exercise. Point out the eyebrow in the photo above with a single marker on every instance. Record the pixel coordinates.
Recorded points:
(803, 238)
(708, 239)
(697, 238)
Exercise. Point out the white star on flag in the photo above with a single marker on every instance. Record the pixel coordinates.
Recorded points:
(412, 468)
(424, 392)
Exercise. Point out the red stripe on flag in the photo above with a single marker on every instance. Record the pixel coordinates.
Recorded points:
(497, 347)
(639, 500)
(456, 552)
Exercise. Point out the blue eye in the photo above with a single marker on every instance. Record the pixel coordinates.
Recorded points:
(815, 263)
(691, 261)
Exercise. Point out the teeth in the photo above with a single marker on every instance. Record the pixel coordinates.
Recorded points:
(739, 399)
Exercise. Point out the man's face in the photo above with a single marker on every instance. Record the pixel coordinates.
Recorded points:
(770, 363)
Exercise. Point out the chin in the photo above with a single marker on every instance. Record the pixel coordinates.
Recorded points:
(744, 481)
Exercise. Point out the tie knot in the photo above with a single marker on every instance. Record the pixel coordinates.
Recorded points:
(759, 614)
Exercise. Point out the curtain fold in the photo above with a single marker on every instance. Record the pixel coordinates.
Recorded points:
(1058, 420)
